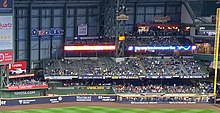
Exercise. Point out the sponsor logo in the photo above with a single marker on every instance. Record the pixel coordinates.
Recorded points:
(2, 57)
(6, 56)
(99, 97)
(5, 25)
(60, 98)
(5, 3)
(56, 100)
(83, 98)
(24, 93)
(48, 32)
(182, 102)
(2, 102)
(26, 101)
(144, 102)
(106, 98)
(20, 101)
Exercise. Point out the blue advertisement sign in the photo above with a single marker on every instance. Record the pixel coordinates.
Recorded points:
(143, 48)
(47, 32)
(6, 6)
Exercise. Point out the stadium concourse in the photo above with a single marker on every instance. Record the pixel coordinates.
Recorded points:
(108, 56)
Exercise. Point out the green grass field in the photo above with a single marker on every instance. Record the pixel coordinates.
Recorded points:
(95, 109)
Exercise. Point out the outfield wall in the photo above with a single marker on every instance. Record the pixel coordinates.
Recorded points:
(58, 99)
(108, 98)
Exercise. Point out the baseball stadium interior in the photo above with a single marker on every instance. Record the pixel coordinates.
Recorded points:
(125, 51)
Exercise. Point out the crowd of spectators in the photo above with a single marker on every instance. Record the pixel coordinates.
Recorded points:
(192, 67)
(200, 87)
(158, 41)
(91, 41)
(152, 41)
(99, 67)
(25, 82)
(162, 66)
(162, 32)
(143, 66)
(172, 66)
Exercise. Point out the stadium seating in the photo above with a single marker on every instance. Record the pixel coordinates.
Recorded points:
(200, 87)
(144, 66)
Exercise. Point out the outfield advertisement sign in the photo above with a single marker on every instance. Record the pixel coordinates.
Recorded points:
(6, 56)
(57, 99)
(105, 98)
(6, 32)
(87, 98)
(162, 102)
(83, 99)
(6, 39)
(25, 101)
(24, 92)
(21, 87)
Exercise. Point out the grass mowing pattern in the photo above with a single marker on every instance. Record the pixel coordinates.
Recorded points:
(96, 109)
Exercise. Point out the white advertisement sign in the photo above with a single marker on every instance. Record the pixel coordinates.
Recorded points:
(82, 29)
(6, 33)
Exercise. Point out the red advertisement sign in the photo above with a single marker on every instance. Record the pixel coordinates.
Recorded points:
(17, 68)
(19, 64)
(21, 87)
(6, 57)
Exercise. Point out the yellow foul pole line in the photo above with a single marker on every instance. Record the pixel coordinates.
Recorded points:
(216, 50)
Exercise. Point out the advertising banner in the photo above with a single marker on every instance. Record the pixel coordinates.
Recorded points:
(47, 32)
(19, 64)
(6, 39)
(91, 77)
(60, 99)
(24, 92)
(144, 48)
(6, 6)
(44, 100)
(82, 29)
(95, 98)
(17, 68)
(27, 87)
(83, 99)
(58, 77)
(24, 101)
(90, 98)
(104, 98)
(87, 37)
(6, 56)
(160, 102)
(6, 32)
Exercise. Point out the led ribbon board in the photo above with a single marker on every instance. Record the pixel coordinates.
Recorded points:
(139, 48)
(90, 48)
